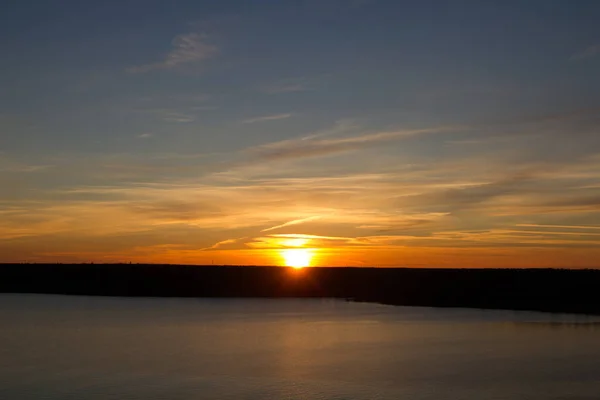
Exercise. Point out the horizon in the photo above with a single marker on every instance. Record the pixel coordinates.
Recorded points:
(366, 133)
(308, 267)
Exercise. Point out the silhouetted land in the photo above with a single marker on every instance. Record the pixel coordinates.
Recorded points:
(552, 290)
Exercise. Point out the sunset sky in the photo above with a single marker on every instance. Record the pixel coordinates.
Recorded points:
(375, 132)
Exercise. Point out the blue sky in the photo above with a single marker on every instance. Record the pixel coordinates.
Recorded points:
(386, 132)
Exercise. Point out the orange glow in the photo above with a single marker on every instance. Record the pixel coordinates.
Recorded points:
(297, 258)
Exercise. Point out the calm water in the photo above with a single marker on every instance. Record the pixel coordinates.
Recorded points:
(59, 347)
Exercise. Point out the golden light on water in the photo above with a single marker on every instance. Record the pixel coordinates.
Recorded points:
(297, 258)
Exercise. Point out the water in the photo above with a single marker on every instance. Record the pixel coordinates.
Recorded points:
(60, 347)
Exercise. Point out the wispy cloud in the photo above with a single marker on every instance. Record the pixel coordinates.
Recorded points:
(588, 52)
(290, 85)
(223, 243)
(145, 135)
(190, 99)
(275, 89)
(187, 48)
(471, 201)
(470, 196)
(267, 118)
(312, 146)
(209, 213)
(293, 222)
(178, 117)
(559, 226)
(286, 86)
(9, 165)
(170, 115)
(294, 240)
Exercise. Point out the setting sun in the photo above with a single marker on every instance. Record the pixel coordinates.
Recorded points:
(297, 258)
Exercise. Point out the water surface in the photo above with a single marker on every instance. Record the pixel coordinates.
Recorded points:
(68, 347)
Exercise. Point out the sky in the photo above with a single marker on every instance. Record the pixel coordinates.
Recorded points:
(373, 132)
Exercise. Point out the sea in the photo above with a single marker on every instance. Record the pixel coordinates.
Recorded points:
(55, 347)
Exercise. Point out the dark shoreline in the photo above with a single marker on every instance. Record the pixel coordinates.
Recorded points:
(545, 290)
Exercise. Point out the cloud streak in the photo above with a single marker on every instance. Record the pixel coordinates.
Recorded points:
(287, 86)
(471, 196)
(469, 202)
(267, 118)
(588, 52)
(186, 48)
(222, 244)
(291, 223)
(276, 89)
(316, 146)
(585, 227)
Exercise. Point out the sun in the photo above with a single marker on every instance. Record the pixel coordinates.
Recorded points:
(297, 258)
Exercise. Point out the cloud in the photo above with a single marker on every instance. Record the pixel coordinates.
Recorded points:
(172, 211)
(395, 223)
(275, 89)
(466, 197)
(295, 240)
(223, 244)
(293, 222)
(291, 85)
(187, 48)
(521, 193)
(267, 118)
(588, 52)
(9, 165)
(171, 114)
(309, 237)
(467, 201)
(144, 135)
(178, 117)
(584, 202)
(315, 146)
(286, 86)
(559, 226)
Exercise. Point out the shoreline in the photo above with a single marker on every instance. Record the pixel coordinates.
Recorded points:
(556, 291)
